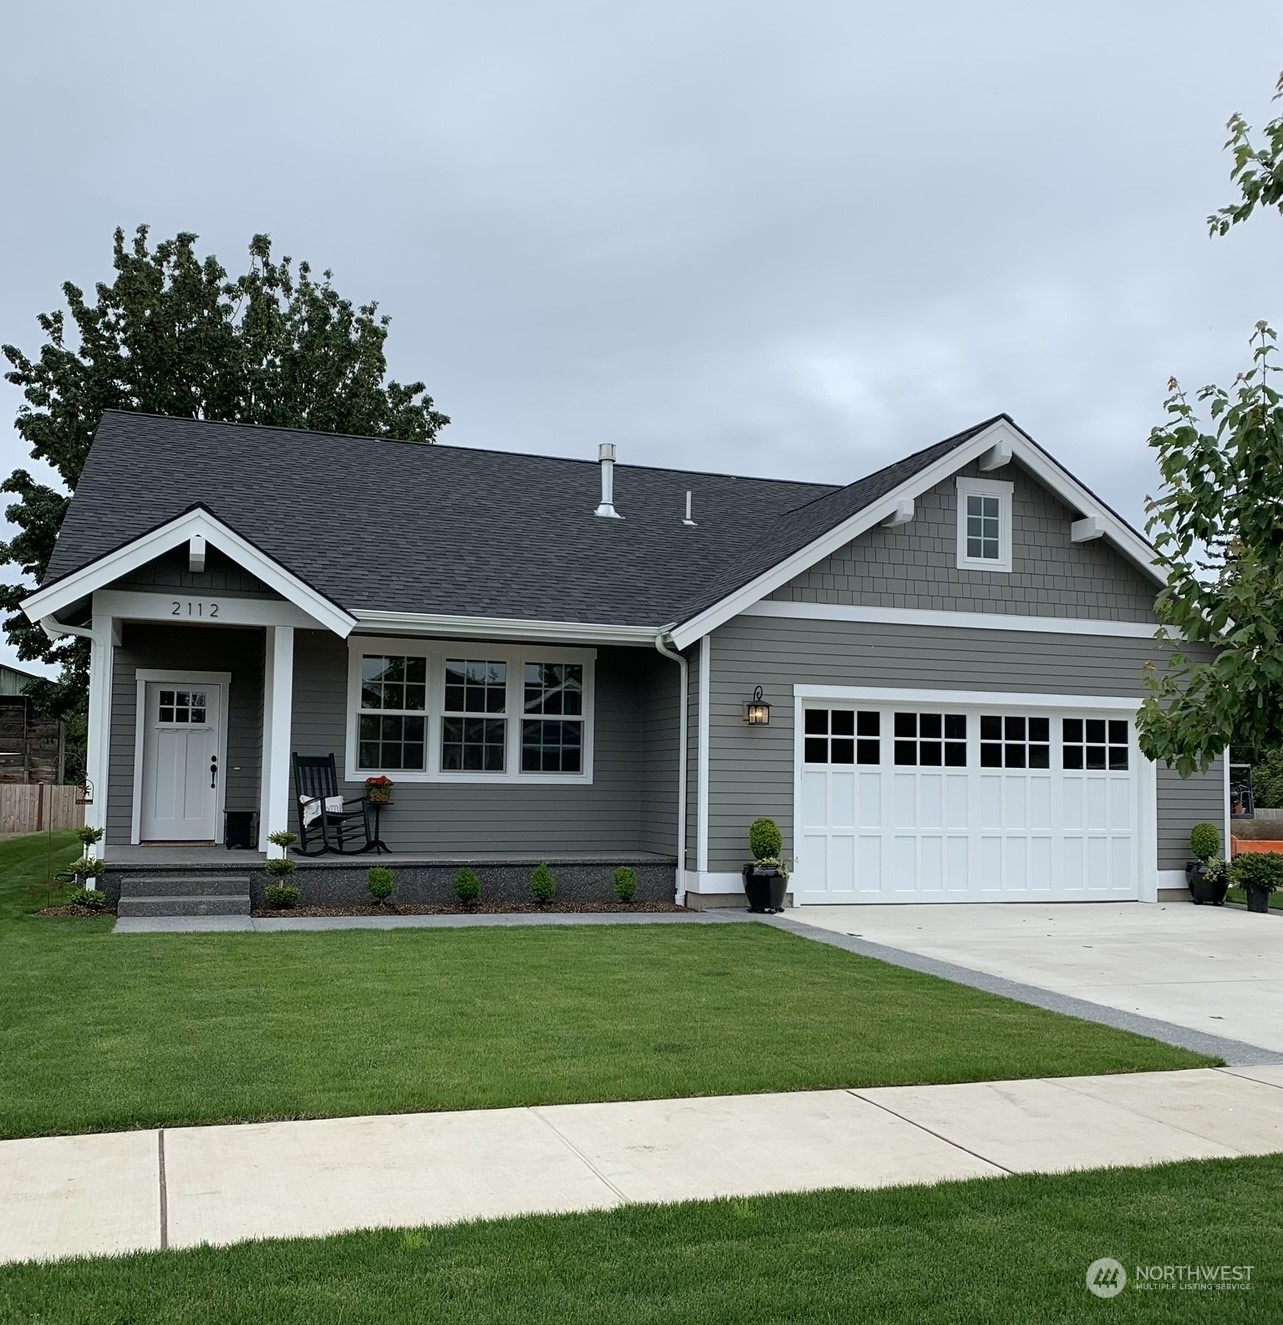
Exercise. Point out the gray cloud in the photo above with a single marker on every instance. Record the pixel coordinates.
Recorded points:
(781, 238)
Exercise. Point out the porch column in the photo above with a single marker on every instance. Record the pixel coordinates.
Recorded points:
(98, 725)
(278, 702)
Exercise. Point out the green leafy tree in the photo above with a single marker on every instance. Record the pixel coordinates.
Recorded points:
(173, 333)
(1218, 528)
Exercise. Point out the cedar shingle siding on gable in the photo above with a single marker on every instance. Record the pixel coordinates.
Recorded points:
(916, 565)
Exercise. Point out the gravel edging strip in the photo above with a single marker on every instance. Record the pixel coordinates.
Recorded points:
(1235, 1052)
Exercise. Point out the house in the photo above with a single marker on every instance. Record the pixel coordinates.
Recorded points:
(555, 660)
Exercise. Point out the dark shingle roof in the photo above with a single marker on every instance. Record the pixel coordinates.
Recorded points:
(394, 526)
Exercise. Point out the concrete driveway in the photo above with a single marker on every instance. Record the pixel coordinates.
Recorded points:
(1211, 969)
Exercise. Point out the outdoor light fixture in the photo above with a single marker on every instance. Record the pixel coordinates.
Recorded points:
(757, 714)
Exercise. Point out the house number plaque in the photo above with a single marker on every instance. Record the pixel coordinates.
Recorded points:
(195, 608)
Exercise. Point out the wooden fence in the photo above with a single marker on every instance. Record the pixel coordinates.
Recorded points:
(32, 807)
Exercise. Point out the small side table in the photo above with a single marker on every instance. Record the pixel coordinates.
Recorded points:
(378, 845)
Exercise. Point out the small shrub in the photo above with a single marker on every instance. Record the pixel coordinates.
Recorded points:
(87, 867)
(88, 836)
(467, 887)
(1204, 841)
(380, 882)
(1257, 869)
(625, 884)
(92, 898)
(765, 840)
(542, 885)
(279, 867)
(281, 896)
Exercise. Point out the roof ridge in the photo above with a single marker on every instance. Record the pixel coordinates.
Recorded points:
(470, 449)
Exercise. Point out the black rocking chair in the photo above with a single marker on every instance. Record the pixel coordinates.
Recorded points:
(343, 830)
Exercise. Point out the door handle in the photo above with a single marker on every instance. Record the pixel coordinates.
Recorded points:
(213, 771)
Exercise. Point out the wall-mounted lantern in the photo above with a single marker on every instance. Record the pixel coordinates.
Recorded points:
(757, 714)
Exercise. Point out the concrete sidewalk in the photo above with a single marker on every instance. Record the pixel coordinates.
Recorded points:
(130, 1191)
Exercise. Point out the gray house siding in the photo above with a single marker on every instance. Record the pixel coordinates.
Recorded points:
(187, 649)
(915, 564)
(453, 817)
(751, 768)
(658, 754)
(221, 575)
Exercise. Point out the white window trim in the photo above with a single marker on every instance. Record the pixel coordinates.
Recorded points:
(985, 487)
(436, 652)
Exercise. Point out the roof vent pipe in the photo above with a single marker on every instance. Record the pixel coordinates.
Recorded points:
(688, 520)
(606, 455)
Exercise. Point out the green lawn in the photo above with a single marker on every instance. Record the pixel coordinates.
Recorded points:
(104, 1032)
(1006, 1251)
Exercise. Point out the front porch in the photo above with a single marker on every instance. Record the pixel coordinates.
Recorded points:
(422, 878)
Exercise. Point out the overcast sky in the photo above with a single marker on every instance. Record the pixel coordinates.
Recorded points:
(786, 239)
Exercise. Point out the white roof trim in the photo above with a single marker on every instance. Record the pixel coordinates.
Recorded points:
(507, 628)
(198, 522)
(998, 435)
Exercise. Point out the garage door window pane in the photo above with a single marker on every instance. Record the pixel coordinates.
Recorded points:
(1013, 740)
(1096, 744)
(829, 737)
(931, 740)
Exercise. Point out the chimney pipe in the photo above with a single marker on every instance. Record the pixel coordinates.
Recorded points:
(688, 520)
(606, 456)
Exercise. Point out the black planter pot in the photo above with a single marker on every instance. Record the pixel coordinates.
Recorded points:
(1258, 900)
(1201, 888)
(764, 886)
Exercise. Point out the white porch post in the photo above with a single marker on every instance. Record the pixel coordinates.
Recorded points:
(98, 726)
(278, 702)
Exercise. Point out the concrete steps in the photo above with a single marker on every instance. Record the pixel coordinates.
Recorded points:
(184, 895)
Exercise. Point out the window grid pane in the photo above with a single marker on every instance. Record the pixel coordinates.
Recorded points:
(391, 727)
(1014, 741)
(841, 736)
(931, 740)
(1095, 744)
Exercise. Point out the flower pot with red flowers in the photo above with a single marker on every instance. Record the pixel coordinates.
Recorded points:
(378, 791)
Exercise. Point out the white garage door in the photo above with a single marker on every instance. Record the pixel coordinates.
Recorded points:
(965, 802)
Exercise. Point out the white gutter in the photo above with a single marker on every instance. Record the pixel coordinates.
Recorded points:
(683, 741)
(101, 711)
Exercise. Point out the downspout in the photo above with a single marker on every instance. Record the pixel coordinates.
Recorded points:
(682, 742)
(56, 630)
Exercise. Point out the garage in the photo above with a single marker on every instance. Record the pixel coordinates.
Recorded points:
(973, 798)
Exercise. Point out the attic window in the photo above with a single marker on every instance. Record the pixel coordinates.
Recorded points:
(984, 524)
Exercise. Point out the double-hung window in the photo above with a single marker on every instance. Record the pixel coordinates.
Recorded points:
(433, 711)
(984, 524)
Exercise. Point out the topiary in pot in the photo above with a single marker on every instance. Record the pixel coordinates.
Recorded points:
(766, 879)
(467, 888)
(542, 885)
(625, 883)
(281, 895)
(1205, 874)
(1258, 873)
(380, 882)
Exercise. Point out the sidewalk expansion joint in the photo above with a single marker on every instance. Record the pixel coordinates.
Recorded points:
(579, 1155)
(939, 1136)
(1228, 1070)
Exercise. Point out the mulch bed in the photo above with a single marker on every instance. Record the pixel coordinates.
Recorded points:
(62, 911)
(481, 909)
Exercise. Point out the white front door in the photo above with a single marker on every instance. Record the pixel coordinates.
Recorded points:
(965, 802)
(181, 773)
